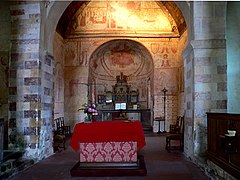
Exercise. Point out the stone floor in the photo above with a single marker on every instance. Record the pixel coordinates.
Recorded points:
(160, 164)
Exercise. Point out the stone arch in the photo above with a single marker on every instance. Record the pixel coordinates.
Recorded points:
(57, 8)
(126, 56)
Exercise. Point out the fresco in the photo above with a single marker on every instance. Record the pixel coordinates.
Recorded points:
(146, 17)
(124, 56)
(71, 55)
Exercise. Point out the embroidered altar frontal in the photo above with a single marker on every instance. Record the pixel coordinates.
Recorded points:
(108, 152)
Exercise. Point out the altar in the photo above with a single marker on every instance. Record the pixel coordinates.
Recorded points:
(109, 148)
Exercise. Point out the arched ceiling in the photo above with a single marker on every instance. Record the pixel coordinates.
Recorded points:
(74, 6)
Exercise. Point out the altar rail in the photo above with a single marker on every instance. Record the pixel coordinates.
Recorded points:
(144, 115)
(222, 149)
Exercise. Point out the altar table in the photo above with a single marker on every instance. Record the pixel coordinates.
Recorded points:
(109, 138)
(109, 148)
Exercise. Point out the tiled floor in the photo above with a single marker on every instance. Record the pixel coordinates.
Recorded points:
(160, 164)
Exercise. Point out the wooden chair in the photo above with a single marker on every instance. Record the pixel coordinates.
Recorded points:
(59, 142)
(176, 134)
(60, 134)
(61, 128)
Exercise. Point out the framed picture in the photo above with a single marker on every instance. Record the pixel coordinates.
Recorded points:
(108, 97)
(134, 97)
(101, 99)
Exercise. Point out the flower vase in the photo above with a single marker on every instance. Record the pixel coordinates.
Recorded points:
(88, 118)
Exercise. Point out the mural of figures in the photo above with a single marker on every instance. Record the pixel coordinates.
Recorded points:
(143, 91)
(83, 58)
(166, 78)
(181, 79)
(71, 54)
(121, 58)
(124, 56)
(165, 61)
(59, 83)
(118, 16)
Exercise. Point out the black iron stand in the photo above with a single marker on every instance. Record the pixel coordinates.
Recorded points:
(164, 106)
(159, 119)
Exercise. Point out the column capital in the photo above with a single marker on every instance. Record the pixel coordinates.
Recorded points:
(209, 44)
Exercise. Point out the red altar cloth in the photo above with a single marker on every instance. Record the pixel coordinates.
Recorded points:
(108, 131)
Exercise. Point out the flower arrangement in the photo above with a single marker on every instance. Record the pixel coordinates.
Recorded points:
(89, 110)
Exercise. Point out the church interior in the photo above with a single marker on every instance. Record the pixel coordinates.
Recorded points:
(131, 61)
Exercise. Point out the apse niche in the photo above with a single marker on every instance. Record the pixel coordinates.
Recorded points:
(121, 56)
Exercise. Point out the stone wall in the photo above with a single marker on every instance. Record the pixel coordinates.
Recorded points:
(4, 64)
(188, 104)
(233, 54)
(210, 87)
(47, 105)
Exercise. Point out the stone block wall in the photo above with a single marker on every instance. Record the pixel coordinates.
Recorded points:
(4, 65)
(188, 101)
(47, 105)
(31, 83)
(205, 73)
(210, 86)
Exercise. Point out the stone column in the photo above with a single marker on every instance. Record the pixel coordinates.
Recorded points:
(210, 86)
(47, 104)
(205, 74)
(31, 84)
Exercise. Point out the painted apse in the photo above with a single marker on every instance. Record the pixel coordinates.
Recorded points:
(139, 39)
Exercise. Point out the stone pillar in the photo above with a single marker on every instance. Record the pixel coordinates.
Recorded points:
(188, 100)
(47, 104)
(205, 73)
(210, 86)
(31, 84)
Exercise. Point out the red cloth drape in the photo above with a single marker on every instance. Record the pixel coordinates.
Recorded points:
(118, 131)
